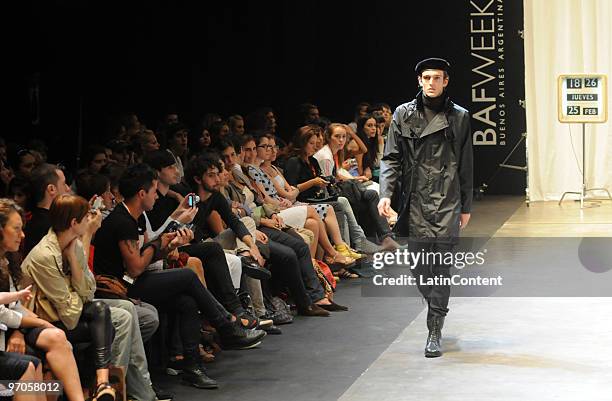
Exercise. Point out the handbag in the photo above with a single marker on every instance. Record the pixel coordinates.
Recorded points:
(110, 287)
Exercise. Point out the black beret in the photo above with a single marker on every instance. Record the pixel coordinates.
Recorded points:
(432, 64)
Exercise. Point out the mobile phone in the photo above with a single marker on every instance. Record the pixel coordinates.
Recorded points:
(97, 204)
(192, 200)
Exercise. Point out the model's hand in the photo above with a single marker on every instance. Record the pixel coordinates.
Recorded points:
(464, 219)
(384, 207)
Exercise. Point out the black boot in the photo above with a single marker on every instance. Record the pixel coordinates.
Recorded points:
(433, 348)
(195, 375)
(234, 336)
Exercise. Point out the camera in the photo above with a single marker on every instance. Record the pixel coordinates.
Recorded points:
(192, 200)
(97, 204)
(175, 226)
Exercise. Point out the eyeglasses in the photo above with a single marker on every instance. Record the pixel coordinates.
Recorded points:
(265, 146)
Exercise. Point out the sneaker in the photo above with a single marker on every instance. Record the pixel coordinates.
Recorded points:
(194, 375)
(162, 395)
(234, 336)
(175, 367)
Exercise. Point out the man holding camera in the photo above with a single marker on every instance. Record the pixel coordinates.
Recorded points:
(223, 271)
(122, 251)
(428, 154)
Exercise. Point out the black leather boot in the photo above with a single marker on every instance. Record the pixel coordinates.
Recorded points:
(433, 348)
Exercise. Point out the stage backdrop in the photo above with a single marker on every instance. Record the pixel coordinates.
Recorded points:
(232, 57)
(565, 36)
(497, 93)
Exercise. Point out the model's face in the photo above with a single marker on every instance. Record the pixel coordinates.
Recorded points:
(369, 128)
(12, 233)
(169, 175)
(311, 146)
(229, 157)
(211, 181)
(249, 150)
(433, 82)
(338, 139)
(98, 161)
(239, 127)
(149, 197)
(263, 149)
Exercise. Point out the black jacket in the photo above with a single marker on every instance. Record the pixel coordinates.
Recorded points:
(431, 166)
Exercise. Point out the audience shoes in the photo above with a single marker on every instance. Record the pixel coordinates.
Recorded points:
(334, 307)
(234, 336)
(194, 375)
(313, 310)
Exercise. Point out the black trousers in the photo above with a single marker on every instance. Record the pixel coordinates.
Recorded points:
(437, 296)
(291, 262)
(180, 291)
(218, 279)
(94, 326)
(371, 200)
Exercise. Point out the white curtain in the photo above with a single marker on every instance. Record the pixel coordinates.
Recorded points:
(564, 37)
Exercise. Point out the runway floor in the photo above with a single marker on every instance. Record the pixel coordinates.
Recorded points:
(511, 343)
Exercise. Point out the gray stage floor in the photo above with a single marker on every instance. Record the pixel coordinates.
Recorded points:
(505, 349)
(496, 348)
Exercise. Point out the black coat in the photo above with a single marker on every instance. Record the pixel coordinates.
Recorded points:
(431, 165)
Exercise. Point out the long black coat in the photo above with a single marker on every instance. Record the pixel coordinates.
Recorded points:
(430, 165)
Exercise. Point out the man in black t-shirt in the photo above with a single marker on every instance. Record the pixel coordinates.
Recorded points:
(214, 260)
(120, 253)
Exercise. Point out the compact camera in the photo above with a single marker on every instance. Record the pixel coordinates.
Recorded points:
(192, 200)
(174, 226)
(97, 204)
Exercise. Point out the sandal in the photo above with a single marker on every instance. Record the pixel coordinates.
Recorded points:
(344, 273)
(339, 260)
(104, 392)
